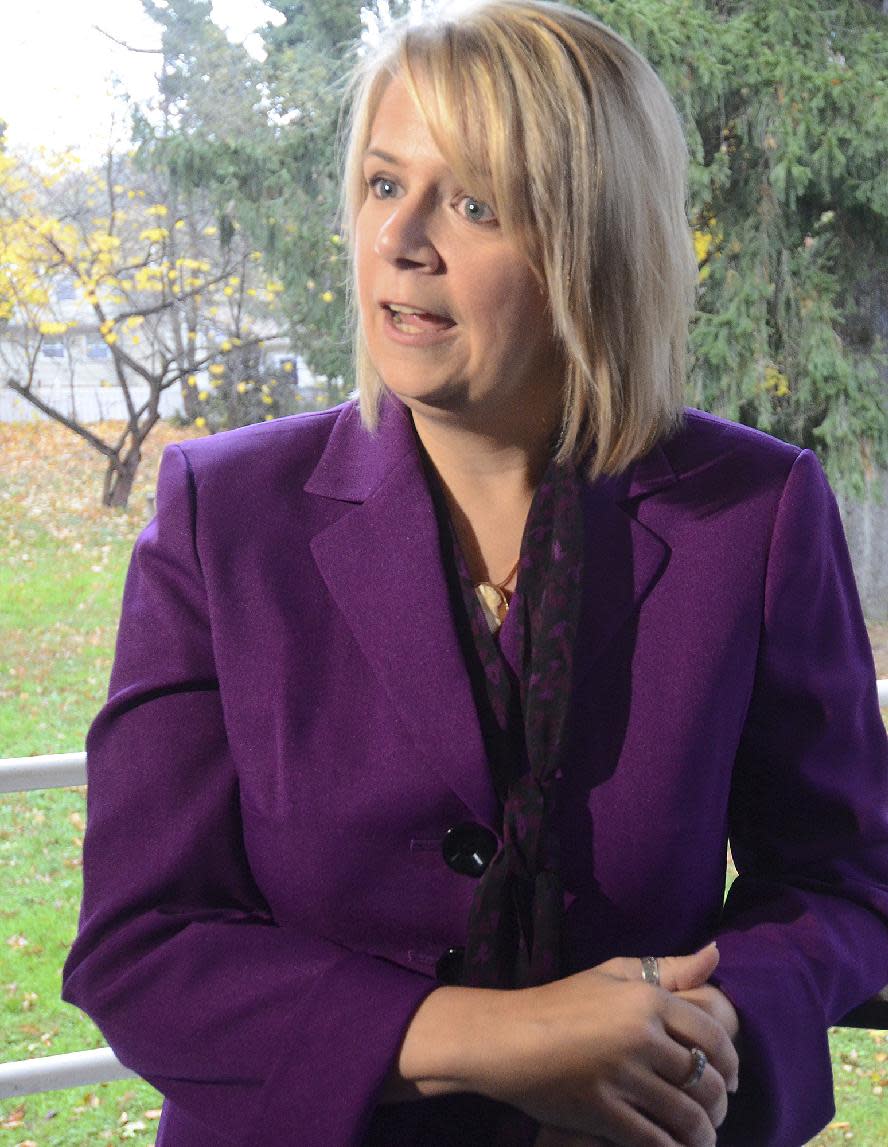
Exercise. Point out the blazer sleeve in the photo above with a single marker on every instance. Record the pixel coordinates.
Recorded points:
(804, 935)
(260, 1032)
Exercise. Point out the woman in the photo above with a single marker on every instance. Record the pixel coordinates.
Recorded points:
(431, 717)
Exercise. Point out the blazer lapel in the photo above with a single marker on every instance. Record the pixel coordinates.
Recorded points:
(624, 558)
(381, 564)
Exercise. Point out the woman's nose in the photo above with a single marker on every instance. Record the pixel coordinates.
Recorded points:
(404, 238)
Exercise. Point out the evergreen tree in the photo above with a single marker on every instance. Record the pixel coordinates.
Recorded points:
(789, 197)
(272, 165)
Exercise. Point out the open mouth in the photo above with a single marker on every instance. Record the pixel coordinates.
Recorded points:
(413, 320)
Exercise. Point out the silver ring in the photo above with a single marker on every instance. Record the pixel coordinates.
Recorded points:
(698, 1066)
(650, 970)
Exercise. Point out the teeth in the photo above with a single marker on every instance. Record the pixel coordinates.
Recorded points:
(403, 323)
(405, 310)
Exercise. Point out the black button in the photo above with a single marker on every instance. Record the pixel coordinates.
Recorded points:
(449, 968)
(469, 848)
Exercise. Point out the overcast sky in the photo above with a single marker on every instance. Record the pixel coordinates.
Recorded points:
(56, 71)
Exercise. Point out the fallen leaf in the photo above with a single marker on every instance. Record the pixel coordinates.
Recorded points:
(14, 1119)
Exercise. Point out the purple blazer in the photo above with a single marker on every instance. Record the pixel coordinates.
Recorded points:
(290, 732)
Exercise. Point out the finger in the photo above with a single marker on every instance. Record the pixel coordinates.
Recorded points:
(685, 1114)
(631, 1125)
(677, 973)
(682, 973)
(716, 1004)
(675, 1064)
(693, 1027)
(621, 968)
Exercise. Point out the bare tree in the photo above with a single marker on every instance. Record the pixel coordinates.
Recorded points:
(140, 270)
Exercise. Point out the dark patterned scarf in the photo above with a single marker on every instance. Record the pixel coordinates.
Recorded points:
(514, 930)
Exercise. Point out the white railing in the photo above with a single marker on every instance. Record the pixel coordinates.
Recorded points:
(54, 1072)
(81, 1068)
(55, 771)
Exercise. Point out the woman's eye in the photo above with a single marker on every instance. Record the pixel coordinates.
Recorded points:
(477, 211)
(382, 187)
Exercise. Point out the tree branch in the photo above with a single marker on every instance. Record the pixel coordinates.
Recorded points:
(169, 302)
(129, 47)
(123, 383)
(51, 412)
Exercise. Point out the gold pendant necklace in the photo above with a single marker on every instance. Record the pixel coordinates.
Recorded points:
(494, 600)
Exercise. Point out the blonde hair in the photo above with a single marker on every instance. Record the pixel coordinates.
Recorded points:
(569, 132)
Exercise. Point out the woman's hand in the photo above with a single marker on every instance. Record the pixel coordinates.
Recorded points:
(686, 977)
(601, 1055)
(598, 1055)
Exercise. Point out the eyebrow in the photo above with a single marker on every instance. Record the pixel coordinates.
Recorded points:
(385, 156)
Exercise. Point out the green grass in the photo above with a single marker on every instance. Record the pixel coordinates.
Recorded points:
(62, 564)
(59, 601)
(40, 861)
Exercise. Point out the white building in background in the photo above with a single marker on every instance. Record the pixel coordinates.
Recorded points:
(76, 377)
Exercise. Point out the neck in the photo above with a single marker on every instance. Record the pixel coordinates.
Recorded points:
(489, 481)
(487, 463)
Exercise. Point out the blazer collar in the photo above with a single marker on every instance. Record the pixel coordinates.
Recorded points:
(356, 461)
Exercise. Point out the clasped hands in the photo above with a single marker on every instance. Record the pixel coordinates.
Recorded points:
(641, 1098)
(598, 1059)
